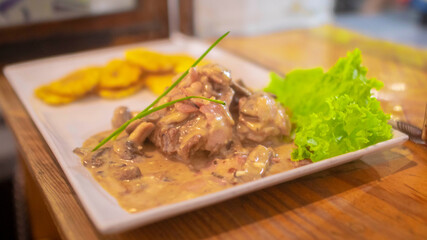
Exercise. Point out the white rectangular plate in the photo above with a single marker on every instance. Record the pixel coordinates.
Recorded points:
(66, 127)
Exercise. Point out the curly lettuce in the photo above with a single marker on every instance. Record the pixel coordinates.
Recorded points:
(334, 111)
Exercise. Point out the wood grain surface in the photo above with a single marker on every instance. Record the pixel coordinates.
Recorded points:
(382, 196)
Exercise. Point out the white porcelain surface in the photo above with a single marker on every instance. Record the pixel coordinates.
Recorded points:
(66, 127)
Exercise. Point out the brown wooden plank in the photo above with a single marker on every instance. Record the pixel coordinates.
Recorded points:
(186, 24)
(42, 225)
(149, 20)
(382, 196)
(149, 17)
(60, 198)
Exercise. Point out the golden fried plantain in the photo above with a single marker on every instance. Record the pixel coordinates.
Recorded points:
(119, 74)
(47, 96)
(76, 84)
(181, 62)
(119, 78)
(69, 88)
(158, 83)
(120, 92)
(150, 61)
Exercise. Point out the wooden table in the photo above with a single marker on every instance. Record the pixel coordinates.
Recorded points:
(381, 196)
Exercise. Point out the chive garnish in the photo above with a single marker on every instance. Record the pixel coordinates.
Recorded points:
(148, 112)
(148, 109)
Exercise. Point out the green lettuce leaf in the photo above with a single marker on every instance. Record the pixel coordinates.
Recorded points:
(334, 111)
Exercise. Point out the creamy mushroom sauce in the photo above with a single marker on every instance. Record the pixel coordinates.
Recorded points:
(160, 181)
(194, 147)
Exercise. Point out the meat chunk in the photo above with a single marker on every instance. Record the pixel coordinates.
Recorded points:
(120, 116)
(220, 126)
(257, 164)
(186, 107)
(181, 139)
(196, 124)
(261, 117)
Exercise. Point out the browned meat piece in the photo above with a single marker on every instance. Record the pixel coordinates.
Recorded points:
(183, 137)
(191, 145)
(261, 117)
(188, 107)
(120, 116)
(257, 164)
(206, 81)
(196, 125)
(220, 126)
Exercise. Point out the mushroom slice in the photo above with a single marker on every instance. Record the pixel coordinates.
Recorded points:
(120, 116)
(141, 132)
(96, 159)
(125, 149)
(257, 164)
(133, 125)
(240, 88)
(127, 173)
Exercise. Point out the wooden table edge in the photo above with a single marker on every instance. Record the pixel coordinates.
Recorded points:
(35, 151)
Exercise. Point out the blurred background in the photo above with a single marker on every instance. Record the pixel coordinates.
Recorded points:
(32, 29)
